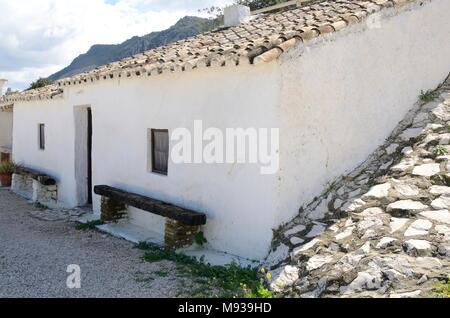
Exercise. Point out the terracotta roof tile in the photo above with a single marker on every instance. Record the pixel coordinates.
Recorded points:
(262, 39)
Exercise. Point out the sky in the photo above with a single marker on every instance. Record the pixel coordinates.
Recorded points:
(40, 37)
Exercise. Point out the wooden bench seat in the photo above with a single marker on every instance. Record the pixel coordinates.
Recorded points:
(181, 226)
(154, 206)
(43, 179)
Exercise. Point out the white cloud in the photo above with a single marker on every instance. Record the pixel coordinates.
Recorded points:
(39, 37)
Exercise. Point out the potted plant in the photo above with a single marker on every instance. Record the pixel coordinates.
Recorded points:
(7, 168)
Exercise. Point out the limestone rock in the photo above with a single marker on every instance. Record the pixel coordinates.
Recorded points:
(406, 164)
(406, 190)
(370, 212)
(316, 230)
(364, 281)
(444, 230)
(369, 222)
(442, 216)
(419, 228)
(442, 112)
(427, 170)
(417, 247)
(439, 190)
(296, 240)
(406, 205)
(443, 202)
(345, 234)
(427, 264)
(385, 242)
(410, 133)
(393, 275)
(304, 248)
(391, 149)
(354, 205)
(317, 261)
(363, 250)
(283, 277)
(277, 256)
(295, 230)
(444, 250)
(378, 191)
(397, 224)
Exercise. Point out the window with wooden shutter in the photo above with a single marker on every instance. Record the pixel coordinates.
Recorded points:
(160, 150)
(42, 136)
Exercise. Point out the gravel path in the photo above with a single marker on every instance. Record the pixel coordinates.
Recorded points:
(34, 256)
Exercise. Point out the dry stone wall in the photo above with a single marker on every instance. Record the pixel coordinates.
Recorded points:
(384, 229)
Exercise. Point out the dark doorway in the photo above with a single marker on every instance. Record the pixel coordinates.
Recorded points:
(89, 154)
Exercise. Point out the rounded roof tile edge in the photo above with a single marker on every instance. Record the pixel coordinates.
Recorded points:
(262, 40)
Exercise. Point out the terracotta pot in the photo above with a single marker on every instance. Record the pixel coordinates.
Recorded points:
(5, 179)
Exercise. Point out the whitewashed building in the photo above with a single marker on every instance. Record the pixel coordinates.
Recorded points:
(335, 78)
(6, 125)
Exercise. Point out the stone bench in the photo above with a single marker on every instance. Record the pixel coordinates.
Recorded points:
(35, 186)
(181, 226)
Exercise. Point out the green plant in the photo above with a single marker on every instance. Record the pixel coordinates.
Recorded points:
(161, 273)
(8, 167)
(40, 206)
(428, 96)
(200, 239)
(440, 150)
(439, 179)
(443, 289)
(41, 82)
(232, 280)
(89, 225)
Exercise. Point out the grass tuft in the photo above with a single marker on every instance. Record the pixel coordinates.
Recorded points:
(232, 280)
(428, 96)
(89, 225)
(440, 150)
(40, 206)
(443, 289)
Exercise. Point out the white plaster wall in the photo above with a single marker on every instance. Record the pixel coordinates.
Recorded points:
(342, 97)
(334, 103)
(57, 159)
(237, 199)
(6, 127)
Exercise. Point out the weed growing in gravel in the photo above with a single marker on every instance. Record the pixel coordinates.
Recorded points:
(232, 280)
(40, 206)
(440, 150)
(428, 96)
(161, 273)
(89, 225)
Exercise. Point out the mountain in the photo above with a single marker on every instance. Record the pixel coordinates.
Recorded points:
(99, 55)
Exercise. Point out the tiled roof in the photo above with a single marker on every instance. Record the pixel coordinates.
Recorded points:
(262, 39)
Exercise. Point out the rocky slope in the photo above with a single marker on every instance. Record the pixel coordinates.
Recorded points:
(384, 229)
(99, 55)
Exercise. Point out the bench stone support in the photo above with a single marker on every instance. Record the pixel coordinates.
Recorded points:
(178, 235)
(181, 225)
(47, 195)
(22, 185)
(35, 188)
(112, 210)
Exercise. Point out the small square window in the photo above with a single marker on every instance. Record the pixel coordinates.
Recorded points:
(42, 136)
(160, 151)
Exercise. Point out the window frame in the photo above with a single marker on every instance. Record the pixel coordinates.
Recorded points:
(153, 152)
(41, 136)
